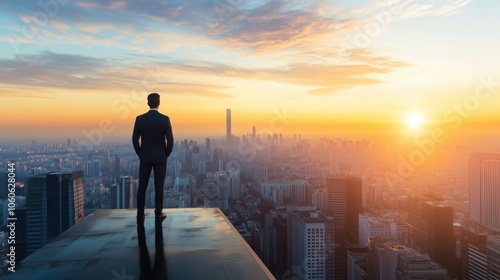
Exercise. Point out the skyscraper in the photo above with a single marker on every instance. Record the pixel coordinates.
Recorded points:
(344, 199)
(484, 189)
(473, 253)
(310, 245)
(290, 208)
(228, 125)
(383, 255)
(122, 195)
(493, 247)
(54, 203)
(430, 225)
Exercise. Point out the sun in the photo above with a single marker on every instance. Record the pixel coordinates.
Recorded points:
(414, 120)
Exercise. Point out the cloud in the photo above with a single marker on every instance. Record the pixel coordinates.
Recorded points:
(326, 78)
(51, 70)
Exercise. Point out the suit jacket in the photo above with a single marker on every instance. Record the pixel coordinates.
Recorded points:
(153, 128)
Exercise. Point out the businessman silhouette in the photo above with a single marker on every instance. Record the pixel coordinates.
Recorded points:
(156, 142)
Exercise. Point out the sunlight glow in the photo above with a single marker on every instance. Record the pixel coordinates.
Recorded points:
(414, 120)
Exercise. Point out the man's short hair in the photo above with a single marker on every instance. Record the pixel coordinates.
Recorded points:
(153, 100)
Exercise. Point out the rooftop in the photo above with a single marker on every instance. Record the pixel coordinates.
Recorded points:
(193, 243)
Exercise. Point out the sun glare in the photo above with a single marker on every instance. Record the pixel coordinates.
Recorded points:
(414, 120)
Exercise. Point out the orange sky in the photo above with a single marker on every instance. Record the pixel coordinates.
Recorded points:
(320, 68)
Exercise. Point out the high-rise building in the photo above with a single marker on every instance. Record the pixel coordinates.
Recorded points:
(319, 200)
(3, 186)
(344, 196)
(96, 168)
(430, 225)
(228, 125)
(118, 166)
(122, 194)
(357, 262)
(234, 175)
(290, 208)
(493, 247)
(383, 256)
(216, 190)
(54, 203)
(223, 189)
(344, 200)
(310, 245)
(484, 189)
(474, 253)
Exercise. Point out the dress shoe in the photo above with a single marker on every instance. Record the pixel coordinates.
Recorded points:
(160, 217)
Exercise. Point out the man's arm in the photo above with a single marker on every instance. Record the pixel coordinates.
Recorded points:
(170, 138)
(135, 139)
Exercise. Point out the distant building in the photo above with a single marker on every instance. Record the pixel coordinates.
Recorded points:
(216, 190)
(484, 189)
(54, 203)
(228, 125)
(234, 175)
(296, 191)
(96, 169)
(374, 226)
(122, 194)
(319, 200)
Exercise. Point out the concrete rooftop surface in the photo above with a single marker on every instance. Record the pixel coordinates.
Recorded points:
(192, 243)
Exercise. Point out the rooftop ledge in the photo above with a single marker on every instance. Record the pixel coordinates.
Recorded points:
(193, 243)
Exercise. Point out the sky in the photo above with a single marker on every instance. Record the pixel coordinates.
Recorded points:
(77, 69)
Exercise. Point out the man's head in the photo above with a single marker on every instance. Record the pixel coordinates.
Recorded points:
(153, 100)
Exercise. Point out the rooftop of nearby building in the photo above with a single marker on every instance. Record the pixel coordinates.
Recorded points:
(192, 243)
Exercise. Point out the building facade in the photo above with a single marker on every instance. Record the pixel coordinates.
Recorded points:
(54, 203)
(484, 189)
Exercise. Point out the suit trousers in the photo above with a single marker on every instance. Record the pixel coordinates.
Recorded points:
(159, 172)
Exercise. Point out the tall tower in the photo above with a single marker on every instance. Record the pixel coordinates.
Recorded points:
(122, 195)
(484, 189)
(228, 125)
(344, 202)
(430, 225)
(344, 197)
(54, 203)
(311, 245)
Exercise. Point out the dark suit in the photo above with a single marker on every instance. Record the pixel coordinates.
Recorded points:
(153, 129)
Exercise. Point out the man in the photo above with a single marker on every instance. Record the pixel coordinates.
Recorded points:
(153, 129)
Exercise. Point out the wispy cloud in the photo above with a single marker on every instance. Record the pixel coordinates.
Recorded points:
(77, 72)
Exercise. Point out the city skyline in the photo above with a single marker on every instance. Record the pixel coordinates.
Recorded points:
(391, 67)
